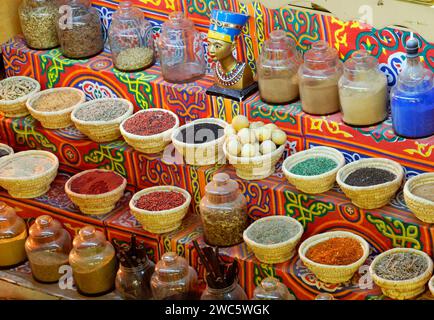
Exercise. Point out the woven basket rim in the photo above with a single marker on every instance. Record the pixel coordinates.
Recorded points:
(7, 148)
(313, 240)
(25, 97)
(428, 271)
(431, 285)
(181, 144)
(253, 160)
(409, 184)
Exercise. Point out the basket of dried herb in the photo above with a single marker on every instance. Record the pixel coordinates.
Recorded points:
(273, 239)
(370, 183)
(5, 150)
(14, 93)
(419, 196)
(335, 256)
(314, 170)
(100, 119)
(402, 273)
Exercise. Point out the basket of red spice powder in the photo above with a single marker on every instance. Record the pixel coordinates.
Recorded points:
(334, 257)
(96, 191)
(149, 131)
(160, 209)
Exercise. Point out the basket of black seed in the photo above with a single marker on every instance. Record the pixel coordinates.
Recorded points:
(370, 183)
(5, 150)
(273, 239)
(402, 273)
(14, 92)
(314, 170)
(100, 119)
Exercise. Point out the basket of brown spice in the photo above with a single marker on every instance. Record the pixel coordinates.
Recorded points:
(402, 273)
(14, 93)
(419, 196)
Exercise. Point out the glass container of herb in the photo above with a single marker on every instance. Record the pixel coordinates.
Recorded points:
(130, 39)
(80, 34)
(38, 20)
(272, 289)
(223, 211)
(47, 247)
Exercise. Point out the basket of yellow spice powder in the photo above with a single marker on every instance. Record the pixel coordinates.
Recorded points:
(14, 93)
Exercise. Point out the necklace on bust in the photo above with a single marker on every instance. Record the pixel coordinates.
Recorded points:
(231, 77)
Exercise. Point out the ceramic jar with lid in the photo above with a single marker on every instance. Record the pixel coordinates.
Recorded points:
(277, 69)
(173, 279)
(272, 289)
(47, 247)
(13, 234)
(318, 80)
(223, 211)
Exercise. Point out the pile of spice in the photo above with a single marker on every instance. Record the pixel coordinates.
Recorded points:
(149, 123)
(160, 200)
(12, 89)
(365, 177)
(336, 251)
(314, 166)
(56, 101)
(272, 231)
(102, 111)
(200, 133)
(26, 166)
(401, 266)
(134, 58)
(425, 191)
(96, 182)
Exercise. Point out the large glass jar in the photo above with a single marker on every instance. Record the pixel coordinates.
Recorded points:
(13, 234)
(93, 262)
(134, 283)
(277, 69)
(318, 79)
(38, 20)
(223, 211)
(173, 279)
(130, 39)
(80, 32)
(233, 292)
(47, 247)
(363, 90)
(180, 50)
(272, 289)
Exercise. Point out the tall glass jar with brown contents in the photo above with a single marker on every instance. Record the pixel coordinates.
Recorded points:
(223, 211)
(47, 247)
(93, 262)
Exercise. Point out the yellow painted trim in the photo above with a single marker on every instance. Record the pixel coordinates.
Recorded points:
(219, 36)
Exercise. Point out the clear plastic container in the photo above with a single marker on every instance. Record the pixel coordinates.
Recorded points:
(363, 91)
(277, 69)
(93, 262)
(180, 49)
(47, 247)
(233, 292)
(272, 289)
(318, 79)
(135, 283)
(223, 211)
(130, 39)
(13, 234)
(173, 279)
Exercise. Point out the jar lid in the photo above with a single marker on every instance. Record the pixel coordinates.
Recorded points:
(321, 56)
(221, 185)
(272, 289)
(11, 225)
(45, 228)
(279, 47)
(171, 267)
(127, 11)
(88, 237)
(361, 60)
(177, 21)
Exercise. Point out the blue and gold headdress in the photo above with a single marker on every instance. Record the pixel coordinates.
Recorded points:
(225, 25)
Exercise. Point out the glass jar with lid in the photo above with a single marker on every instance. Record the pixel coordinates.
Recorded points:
(232, 292)
(130, 39)
(223, 211)
(13, 234)
(47, 247)
(318, 79)
(277, 69)
(363, 91)
(272, 289)
(80, 31)
(173, 279)
(93, 262)
(181, 50)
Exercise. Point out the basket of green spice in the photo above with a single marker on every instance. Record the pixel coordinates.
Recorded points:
(370, 183)
(419, 196)
(335, 256)
(314, 170)
(14, 93)
(5, 150)
(100, 119)
(53, 107)
(160, 209)
(273, 239)
(402, 273)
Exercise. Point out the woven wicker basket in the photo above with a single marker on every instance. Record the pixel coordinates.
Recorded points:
(203, 154)
(274, 253)
(331, 273)
(149, 144)
(431, 285)
(95, 204)
(422, 208)
(54, 119)
(255, 168)
(29, 186)
(102, 131)
(17, 107)
(376, 196)
(160, 221)
(404, 289)
(7, 148)
(313, 184)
